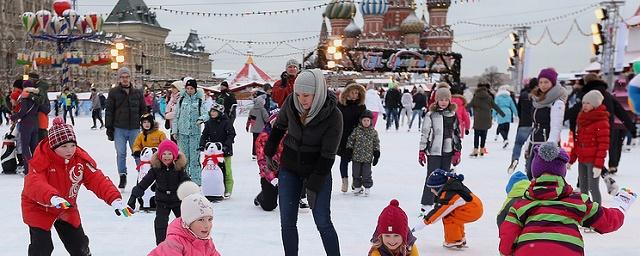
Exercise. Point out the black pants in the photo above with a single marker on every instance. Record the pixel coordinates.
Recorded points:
(68, 109)
(97, 114)
(162, 220)
(74, 240)
(615, 147)
(503, 129)
(433, 163)
(268, 197)
(479, 138)
(253, 143)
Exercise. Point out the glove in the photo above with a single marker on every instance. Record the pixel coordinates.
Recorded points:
(311, 198)
(136, 154)
(422, 157)
(132, 202)
(376, 157)
(466, 132)
(624, 199)
(60, 203)
(110, 134)
(272, 164)
(274, 182)
(121, 209)
(596, 172)
(419, 226)
(456, 158)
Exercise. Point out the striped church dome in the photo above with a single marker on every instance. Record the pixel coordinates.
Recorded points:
(340, 9)
(373, 7)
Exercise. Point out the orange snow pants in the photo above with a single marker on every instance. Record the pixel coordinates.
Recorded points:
(454, 222)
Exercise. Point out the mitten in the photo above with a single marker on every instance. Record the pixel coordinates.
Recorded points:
(456, 158)
(110, 132)
(121, 209)
(60, 203)
(376, 157)
(624, 199)
(271, 164)
(422, 157)
(274, 182)
(136, 154)
(596, 172)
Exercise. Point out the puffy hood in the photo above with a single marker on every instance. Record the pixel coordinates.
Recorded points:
(548, 187)
(595, 115)
(459, 98)
(595, 85)
(518, 189)
(452, 107)
(180, 162)
(351, 87)
(176, 232)
(258, 102)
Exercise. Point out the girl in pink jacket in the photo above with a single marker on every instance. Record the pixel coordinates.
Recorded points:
(190, 234)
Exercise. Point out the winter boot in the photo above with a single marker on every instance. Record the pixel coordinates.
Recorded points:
(227, 195)
(483, 151)
(505, 144)
(366, 192)
(123, 181)
(513, 166)
(256, 202)
(613, 170)
(345, 185)
(456, 245)
(475, 153)
(93, 127)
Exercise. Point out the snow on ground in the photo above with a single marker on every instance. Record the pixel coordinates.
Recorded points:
(240, 228)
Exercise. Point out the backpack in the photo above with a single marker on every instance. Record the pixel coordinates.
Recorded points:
(199, 104)
(103, 101)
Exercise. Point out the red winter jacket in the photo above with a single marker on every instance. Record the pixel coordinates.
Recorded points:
(280, 91)
(592, 138)
(461, 113)
(51, 175)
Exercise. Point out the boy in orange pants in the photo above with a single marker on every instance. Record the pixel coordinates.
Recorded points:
(455, 205)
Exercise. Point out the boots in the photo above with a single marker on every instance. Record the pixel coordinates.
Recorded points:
(474, 153)
(345, 185)
(505, 144)
(483, 151)
(513, 166)
(123, 181)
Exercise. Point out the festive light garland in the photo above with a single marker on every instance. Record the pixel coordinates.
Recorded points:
(482, 49)
(251, 41)
(529, 23)
(501, 32)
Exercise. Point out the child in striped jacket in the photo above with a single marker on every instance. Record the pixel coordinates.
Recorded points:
(547, 218)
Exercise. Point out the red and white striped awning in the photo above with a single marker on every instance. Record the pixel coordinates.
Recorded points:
(250, 73)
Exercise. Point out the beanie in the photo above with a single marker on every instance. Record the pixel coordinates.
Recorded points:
(60, 133)
(124, 70)
(515, 178)
(393, 220)
(178, 84)
(366, 114)
(549, 158)
(224, 83)
(168, 145)
(147, 117)
(549, 73)
(306, 82)
(439, 177)
(194, 205)
(292, 62)
(34, 76)
(443, 94)
(594, 98)
(191, 82)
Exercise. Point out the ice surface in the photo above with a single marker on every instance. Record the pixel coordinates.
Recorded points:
(240, 228)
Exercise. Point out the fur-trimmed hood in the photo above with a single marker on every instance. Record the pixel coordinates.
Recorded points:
(348, 89)
(452, 107)
(180, 163)
(461, 97)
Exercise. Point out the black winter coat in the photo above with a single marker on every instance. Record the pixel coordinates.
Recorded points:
(350, 119)
(167, 180)
(227, 99)
(419, 101)
(613, 107)
(219, 130)
(525, 109)
(393, 98)
(308, 150)
(124, 109)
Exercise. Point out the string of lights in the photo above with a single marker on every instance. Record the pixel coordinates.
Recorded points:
(529, 23)
(482, 49)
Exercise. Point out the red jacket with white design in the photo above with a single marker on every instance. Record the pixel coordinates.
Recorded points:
(592, 137)
(51, 175)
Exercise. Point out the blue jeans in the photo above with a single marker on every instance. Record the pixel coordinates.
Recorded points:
(289, 188)
(344, 167)
(393, 114)
(413, 116)
(521, 137)
(120, 138)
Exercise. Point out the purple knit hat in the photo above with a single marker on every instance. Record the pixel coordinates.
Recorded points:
(549, 73)
(550, 159)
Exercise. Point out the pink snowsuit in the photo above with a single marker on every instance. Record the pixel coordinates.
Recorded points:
(181, 241)
(461, 112)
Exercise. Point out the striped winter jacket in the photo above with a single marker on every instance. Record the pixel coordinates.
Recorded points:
(547, 219)
(454, 196)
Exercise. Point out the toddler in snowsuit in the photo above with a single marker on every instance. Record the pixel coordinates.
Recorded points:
(591, 144)
(220, 129)
(57, 170)
(547, 218)
(268, 196)
(363, 148)
(168, 172)
(440, 143)
(455, 205)
(190, 235)
(392, 235)
(517, 185)
(256, 121)
(150, 137)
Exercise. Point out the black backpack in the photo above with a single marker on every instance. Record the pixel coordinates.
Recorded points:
(103, 101)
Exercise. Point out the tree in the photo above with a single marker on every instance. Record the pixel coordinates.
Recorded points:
(493, 77)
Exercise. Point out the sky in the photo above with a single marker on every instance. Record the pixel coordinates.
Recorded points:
(480, 46)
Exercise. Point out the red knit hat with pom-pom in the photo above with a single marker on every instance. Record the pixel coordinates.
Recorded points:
(393, 220)
(60, 133)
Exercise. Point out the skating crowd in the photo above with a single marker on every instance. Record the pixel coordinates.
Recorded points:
(299, 125)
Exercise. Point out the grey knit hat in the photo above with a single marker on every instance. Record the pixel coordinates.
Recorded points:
(306, 82)
(443, 93)
(292, 62)
(124, 70)
(593, 97)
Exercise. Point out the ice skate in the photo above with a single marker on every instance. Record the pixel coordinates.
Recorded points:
(475, 153)
(513, 166)
(227, 195)
(610, 183)
(505, 144)
(357, 191)
(345, 185)
(456, 245)
(366, 192)
(303, 205)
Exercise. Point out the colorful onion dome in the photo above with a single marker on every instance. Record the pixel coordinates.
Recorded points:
(374, 7)
(411, 25)
(340, 9)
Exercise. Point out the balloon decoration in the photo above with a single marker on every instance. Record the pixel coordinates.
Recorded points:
(43, 17)
(58, 26)
(29, 21)
(82, 26)
(71, 17)
(59, 6)
(94, 20)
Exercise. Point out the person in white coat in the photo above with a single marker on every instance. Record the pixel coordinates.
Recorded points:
(373, 102)
(407, 105)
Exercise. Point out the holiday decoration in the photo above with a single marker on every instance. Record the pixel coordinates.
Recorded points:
(59, 6)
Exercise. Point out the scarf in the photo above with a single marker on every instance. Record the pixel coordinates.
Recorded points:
(213, 158)
(141, 164)
(555, 93)
(319, 98)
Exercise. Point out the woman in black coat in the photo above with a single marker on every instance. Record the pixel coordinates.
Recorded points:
(313, 126)
(351, 105)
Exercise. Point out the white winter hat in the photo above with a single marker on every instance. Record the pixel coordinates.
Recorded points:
(194, 205)
(178, 84)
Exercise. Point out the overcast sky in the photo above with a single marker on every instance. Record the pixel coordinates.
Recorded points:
(573, 55)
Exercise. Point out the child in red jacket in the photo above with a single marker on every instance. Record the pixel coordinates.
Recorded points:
(56, 171)
(592, 142)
